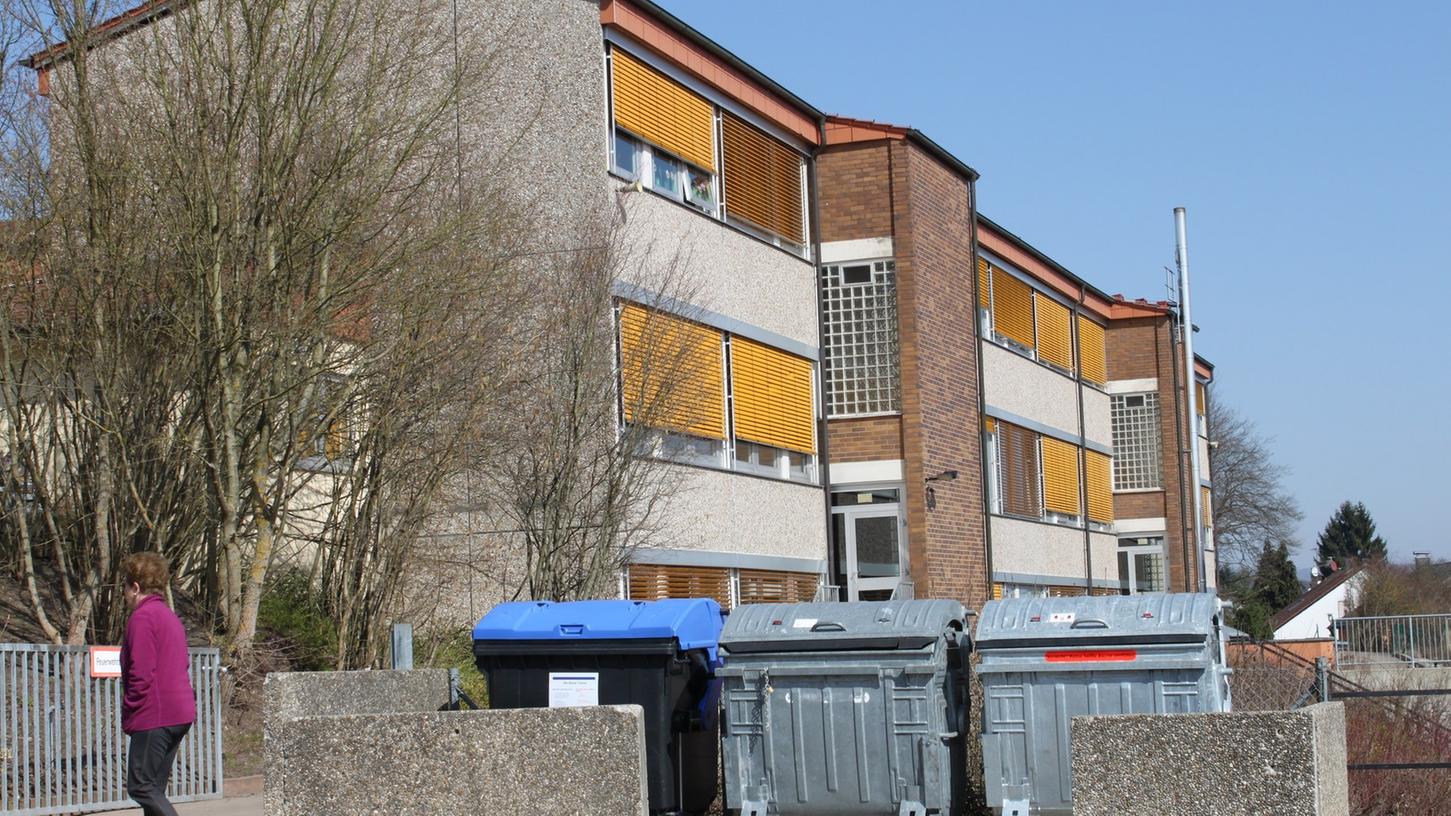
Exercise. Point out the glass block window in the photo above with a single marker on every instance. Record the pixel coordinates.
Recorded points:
(1138, 462)
(861, 338)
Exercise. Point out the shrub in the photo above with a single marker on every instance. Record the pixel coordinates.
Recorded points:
(293, 617)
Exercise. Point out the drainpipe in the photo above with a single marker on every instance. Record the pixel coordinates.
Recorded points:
(1180, 452)
(1082, 438)
(987, 519)
(823, 442)
(1190, 397)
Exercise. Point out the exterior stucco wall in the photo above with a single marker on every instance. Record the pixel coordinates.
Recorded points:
(1037, 548)
(721, 511)
(1014, 383)
(690, 257)
(1097, 421)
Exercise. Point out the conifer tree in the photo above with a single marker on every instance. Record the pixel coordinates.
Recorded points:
(1350, 534)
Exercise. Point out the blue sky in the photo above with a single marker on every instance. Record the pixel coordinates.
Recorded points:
(1310, 142)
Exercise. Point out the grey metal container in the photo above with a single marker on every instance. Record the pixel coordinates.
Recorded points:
(1043, 661)
(845, 708)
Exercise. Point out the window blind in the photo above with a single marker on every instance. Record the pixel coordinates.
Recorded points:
(771, 394)
(1060, 476)
(672, 374)
(984, 285)
(776, 586)
(1055, 332)
(1205, 513)
(1012, 308)
(656, 108)
(654, 582)
(1098, 469)
(1092, 364)
(762, 180)
(1199, 398)
(1018, 470)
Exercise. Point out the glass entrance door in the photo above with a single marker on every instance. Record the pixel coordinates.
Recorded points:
(869, 555)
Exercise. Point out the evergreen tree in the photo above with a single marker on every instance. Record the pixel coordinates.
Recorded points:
(1253, 619)
(1276, 585)
(1350, 534)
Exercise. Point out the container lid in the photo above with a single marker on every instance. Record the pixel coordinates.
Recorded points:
(814, 627)
(1014, 623)
(694, 623)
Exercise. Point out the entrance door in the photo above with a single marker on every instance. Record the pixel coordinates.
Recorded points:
(869, 552)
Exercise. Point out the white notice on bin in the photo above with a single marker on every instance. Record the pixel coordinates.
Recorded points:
(574, 689)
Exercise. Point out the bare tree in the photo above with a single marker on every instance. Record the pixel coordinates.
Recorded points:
(1251, 504)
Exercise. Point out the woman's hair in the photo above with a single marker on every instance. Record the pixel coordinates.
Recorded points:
(147, 569)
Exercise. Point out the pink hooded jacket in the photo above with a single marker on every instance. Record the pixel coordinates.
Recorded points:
(155, 689)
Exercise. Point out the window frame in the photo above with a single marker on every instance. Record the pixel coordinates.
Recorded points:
(1128, 551)
(876, 389)
(716, 208)
(1129, 452)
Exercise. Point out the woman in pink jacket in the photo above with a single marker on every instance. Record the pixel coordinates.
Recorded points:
(158, 705)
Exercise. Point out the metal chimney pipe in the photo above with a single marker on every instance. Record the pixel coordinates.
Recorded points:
(1187, 327)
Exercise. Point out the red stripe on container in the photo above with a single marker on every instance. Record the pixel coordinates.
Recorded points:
(1096, 656)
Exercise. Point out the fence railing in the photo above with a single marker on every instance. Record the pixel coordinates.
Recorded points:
(1415, 640)
(61, 746)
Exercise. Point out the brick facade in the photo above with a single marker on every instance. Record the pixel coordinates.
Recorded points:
(894, 188)
(868, 439)
(1142, 348)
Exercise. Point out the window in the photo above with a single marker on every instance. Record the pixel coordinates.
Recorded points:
(1138, 462)
(860, 303)
(1141, 565)
(1014, 314)
(1037, 477)
(759, 419)
(327, 435)
(728, 587)
(668, 138)
(1201, 409)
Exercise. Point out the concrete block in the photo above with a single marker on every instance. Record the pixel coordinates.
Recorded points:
(309, 694)
(562, 761)
(1280, 763)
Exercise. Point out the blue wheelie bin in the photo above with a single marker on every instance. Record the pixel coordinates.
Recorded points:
(659, 655)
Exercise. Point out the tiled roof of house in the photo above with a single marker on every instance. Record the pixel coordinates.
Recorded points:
(1314, 594)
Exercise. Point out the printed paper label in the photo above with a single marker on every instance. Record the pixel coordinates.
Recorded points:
(105, 661)
(803, 623)
(574, 689)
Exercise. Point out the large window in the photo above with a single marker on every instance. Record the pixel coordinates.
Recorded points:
(729, 587)
(1038, 477)
(861, 338)
(1141, 564)
(682, 146)
(1015, 315)
(716, 399)
(1138, 462)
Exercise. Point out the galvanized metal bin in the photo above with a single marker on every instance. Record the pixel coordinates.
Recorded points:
(845, 708)
(1043, 661)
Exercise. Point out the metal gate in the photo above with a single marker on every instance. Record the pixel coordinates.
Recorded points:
(61, 746)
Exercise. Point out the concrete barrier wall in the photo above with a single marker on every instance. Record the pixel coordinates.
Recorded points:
(1399, 677)
(1288, 763)
(306, 694)
(560, 761)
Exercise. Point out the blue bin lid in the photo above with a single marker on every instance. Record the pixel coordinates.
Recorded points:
(694, 623)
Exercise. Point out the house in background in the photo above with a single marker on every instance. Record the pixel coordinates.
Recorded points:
(1310, 615)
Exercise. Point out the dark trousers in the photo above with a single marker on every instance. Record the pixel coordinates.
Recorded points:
(149, 767)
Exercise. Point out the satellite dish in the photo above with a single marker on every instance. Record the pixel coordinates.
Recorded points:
(1315, 573)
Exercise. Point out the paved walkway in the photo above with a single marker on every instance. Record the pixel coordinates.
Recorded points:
(239, 806)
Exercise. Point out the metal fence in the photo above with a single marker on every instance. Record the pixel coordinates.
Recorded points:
(61, 746)
(1415, 640)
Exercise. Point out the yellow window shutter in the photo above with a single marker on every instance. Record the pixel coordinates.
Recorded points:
(989, 424)
(654, 582)
(771, 393)
(762, 180)
(997, 592)
(1204, 510)
(984, 285)
(1093, 365)
(657, 109)
(1098, 469)
(1060, 476)
(1055, 332)
(1012, 308)
(1199, 398)
(672, 373)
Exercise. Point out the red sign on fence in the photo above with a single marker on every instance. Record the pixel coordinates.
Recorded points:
(105, 661)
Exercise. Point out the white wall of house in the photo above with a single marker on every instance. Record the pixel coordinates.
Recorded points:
(1314, 622)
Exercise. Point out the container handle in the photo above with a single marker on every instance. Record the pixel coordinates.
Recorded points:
(571, 628)
(826, 626)
(1088, 623)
